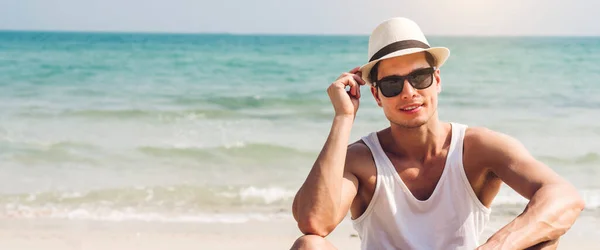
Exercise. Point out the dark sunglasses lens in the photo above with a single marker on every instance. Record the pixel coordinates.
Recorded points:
(391, 87)
(421, 79)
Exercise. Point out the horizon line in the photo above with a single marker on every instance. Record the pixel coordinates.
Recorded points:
(277, 34)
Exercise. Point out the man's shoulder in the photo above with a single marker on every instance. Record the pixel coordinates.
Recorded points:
(359, 150)
(486, 146)
(483, 137)
(478, 134)
(359, 157)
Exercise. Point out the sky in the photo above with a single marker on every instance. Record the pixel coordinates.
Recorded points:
(436, 17)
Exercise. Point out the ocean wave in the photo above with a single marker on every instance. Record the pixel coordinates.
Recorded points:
(159, 204)
(50, 152)
(170, 198)
(88, 153)
(267, 195)
(275, 112)
(588, 158)
(125, 113)
(239, 151)
(15, 211)
(511, 203)
(133, 114)
(257, 101)
(192, 204)
(211, 107)
(260, 102)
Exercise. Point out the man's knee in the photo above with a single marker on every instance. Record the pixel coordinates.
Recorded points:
(310, 242)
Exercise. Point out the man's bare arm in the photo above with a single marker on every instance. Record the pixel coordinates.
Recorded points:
(554, 204)
(327, 193)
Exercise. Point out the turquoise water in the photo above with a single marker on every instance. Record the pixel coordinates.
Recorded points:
(225, 127)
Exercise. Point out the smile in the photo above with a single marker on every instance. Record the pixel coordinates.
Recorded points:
(412, 108)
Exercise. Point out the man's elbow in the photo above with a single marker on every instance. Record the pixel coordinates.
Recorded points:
(315, 226)
(580, 203)
(573, 206)
(566, 195)
(576, 202)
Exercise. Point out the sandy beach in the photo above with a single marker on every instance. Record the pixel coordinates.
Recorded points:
(93, 235)
(200, 141)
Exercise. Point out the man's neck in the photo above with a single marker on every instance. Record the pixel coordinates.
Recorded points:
(419, 143)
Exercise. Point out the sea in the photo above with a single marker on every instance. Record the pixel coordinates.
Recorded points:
(223, 128)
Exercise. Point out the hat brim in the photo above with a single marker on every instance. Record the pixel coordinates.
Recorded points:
(439, 53)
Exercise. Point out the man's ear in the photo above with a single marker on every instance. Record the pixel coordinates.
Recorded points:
(438, 80)
(375, 93)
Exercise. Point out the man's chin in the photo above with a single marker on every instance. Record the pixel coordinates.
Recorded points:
(411, 124)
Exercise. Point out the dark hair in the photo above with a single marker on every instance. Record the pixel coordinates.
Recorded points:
(373, 73)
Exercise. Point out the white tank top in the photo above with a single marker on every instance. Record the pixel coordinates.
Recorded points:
(451, 218)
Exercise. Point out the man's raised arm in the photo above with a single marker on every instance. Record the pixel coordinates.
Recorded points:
(327, 193)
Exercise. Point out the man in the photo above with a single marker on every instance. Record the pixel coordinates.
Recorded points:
(422, 183)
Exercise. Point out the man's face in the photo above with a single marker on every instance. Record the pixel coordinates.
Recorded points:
(413, 107)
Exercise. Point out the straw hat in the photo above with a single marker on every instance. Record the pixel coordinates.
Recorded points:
(397, 37)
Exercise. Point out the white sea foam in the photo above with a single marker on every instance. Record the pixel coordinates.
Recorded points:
(267, 203)
(16, 211)
(269, 195)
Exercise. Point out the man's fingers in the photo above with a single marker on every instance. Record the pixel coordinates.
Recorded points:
(358, 79)
(353, 86)
(352, 81)
(339, 84)
(357, 95)
(350, 94)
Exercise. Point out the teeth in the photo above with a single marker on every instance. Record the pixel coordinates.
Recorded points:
(410, 108)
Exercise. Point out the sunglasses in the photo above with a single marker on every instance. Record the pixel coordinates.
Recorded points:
(391, 86)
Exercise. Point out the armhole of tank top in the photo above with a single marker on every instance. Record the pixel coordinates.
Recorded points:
(463, 174)
(369, 208)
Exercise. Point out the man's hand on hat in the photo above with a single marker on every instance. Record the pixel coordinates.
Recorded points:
(346, 102)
